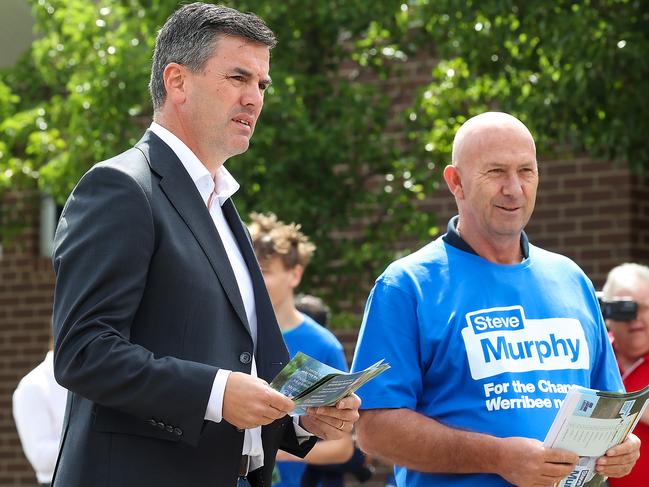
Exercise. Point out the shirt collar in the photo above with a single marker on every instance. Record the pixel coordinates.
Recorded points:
(453, 238)
(223, 185)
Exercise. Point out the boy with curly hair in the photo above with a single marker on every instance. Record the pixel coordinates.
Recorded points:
(284, 252)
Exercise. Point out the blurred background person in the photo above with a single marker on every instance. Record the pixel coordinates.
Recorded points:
(283, 252)
(38, 409)
(314, 307)
(359, 465)
(630, 333)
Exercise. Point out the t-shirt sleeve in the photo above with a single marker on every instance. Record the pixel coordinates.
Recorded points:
(390, 331)
(605, 374)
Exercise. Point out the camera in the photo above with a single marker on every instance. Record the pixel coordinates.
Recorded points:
(624, 309)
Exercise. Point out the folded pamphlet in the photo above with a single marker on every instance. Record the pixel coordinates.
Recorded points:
(590, 422)
(310, 383)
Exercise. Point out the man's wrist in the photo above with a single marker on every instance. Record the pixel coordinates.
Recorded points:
(301, 432)
(214, 411)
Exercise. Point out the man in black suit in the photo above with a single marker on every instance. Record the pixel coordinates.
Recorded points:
(165, 334)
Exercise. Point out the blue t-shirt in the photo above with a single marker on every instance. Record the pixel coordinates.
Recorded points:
(480, 346)
(316, 341)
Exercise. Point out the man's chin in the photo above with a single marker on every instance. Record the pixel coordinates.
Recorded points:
(510, 226)
(508, 230)
(239, 147)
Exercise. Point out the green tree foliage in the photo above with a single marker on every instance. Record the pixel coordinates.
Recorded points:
(575, 71)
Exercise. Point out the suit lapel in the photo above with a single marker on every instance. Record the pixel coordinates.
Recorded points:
(245, 245)
(272, 357)
(181, 191)
(262, 303)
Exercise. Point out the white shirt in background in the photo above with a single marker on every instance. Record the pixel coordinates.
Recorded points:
(38, 409)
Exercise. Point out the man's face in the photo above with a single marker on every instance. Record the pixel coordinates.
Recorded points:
(632, 337)
(280, 281)
(499, 179)
(224, 100)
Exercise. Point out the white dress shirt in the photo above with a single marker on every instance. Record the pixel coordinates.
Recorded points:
(224, 186)
(38, 409)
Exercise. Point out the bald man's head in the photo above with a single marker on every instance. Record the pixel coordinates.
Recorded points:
(494, 178)
(482, 129)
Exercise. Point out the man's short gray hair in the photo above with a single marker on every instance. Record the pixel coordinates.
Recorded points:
(621, 275)
(189, 35)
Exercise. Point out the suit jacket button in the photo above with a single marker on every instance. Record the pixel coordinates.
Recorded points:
(245, 358)
(178, 432)
(152, 422)
(161, 425)
(170, 429)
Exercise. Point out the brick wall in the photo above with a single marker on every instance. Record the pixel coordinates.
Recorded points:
(26, 287)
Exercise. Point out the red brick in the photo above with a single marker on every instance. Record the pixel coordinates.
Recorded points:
(561, 169)
(579, 240)
(579, 182)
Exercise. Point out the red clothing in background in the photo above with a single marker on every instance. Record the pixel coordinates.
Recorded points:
(635, 378)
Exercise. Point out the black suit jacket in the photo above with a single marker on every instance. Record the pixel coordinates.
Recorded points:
(146, 311)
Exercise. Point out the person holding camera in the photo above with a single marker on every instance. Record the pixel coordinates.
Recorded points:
(625, 306)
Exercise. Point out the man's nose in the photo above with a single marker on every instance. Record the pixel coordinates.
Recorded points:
(513, 185)
(253, 96)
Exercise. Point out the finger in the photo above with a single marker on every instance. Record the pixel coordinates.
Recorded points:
(618, 459)
(326, 420)
(559, 470)
(262, 416)
(349, 402)
(631, 444)
(279, 401)
(556, 471)
(314, 426)
(325, 429)
(284, 407)
(614, 470)
(347, 415)
(619, 450)
(549, 480)
(556, 455)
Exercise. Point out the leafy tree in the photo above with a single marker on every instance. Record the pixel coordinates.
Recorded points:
(325, 154)
(81, 96)
(574, 71)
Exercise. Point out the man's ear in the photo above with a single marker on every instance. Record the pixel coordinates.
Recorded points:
(174, 77)
(296, 275)
(453, 181)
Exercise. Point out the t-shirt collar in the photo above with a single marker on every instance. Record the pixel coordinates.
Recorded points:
(453, 238)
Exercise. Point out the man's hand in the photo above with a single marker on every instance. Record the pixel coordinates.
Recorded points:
(526, 462)
(332, 422)
(619, 460)
(249, 402)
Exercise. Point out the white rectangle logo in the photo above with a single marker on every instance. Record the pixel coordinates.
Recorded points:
(501, 340)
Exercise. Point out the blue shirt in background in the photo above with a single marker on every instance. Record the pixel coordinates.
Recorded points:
(316, 341)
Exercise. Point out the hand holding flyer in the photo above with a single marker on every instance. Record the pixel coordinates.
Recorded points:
(311, 383)
(589, 423)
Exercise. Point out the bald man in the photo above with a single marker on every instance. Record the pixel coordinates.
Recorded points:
(485, 332)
